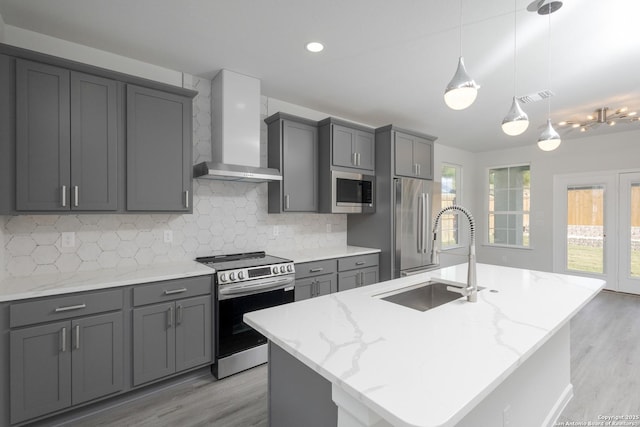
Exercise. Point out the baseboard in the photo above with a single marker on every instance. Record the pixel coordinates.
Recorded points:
(558, 408)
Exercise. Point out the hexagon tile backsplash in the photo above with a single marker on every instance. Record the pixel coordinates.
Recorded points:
(228, 217)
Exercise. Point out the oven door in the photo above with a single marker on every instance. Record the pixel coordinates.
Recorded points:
(233, 335)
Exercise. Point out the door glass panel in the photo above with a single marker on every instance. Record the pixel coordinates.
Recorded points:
(635, 231)
(585, 228)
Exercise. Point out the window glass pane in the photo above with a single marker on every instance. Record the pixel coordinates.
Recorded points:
(635, 230)
(585, 229)
(449, 223)
(509, 204)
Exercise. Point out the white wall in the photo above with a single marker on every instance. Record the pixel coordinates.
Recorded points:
(588, 154)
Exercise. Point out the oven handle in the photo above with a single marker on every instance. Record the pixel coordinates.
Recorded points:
(234, 291)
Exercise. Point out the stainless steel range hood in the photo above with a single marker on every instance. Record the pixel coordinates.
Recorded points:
(235, 131)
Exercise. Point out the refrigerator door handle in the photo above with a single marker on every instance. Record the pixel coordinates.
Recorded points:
(420, 224)
(425, 219)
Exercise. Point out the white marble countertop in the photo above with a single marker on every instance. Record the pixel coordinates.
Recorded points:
(318, 254)
(428, 368)
(40, 285)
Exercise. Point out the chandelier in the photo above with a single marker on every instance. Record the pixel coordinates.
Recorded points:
(603, 116)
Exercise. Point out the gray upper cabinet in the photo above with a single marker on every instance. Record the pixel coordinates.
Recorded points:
(158, 151)
(413, 156)
(351, 146)
(66, 132)
(293, 149)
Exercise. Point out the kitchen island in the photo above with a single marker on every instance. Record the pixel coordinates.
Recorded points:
(354, 359)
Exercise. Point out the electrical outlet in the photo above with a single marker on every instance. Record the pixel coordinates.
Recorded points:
(68, 239)
(329, 228)
(276, 231)
(168, 236)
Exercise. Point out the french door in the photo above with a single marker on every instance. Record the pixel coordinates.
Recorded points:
(597, 228)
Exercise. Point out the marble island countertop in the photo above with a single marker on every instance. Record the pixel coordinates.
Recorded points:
(318, 254)
(40, 285)
(429, 368)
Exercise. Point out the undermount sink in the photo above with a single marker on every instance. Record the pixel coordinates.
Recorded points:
(425, 296)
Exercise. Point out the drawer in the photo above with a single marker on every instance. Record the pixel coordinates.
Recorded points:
(170, 290)
(64, 307)
(315, 268)
(359, 261)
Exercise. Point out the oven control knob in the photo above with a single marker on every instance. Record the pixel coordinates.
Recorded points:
(275, 270)
(223, 277)
(282, 269)
(241, 275)
(232, 276)
(289, 268)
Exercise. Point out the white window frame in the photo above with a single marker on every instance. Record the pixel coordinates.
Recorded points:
(461, 239)
(487, 212)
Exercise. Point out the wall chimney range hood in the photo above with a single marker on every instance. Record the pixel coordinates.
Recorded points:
(235, 131)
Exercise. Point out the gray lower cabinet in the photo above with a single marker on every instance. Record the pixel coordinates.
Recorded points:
(315, 286)
(56, 365)
(293, 149)
(357, 271)
(171, 337)
(66, 140)
(158, 151)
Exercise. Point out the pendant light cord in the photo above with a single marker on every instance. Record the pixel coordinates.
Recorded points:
(549, 62)
(515, 43)
(460, 28)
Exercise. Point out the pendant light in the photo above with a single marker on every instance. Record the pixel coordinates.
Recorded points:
(549, 139)
(516, 121)
(462, 90)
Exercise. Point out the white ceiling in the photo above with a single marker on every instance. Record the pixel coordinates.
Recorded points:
(384, 61)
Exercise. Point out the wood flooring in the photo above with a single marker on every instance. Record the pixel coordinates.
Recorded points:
(605, 372)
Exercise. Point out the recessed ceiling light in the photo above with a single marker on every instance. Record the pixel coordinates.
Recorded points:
(315, 47)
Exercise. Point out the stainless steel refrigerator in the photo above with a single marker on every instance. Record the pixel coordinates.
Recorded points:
(400, 226)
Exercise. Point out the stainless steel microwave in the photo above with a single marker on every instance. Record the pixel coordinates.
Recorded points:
(352, 192)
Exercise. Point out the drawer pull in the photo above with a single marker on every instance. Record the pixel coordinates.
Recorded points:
(70, 308)
(175, 291)
(315, 270)
(360, 263)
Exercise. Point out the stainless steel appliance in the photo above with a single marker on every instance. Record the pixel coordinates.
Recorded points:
(413, 205)
(352, 192)
(245, 282)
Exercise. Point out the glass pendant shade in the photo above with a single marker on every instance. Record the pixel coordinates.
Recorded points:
(549, 139)
(516, 121)
(462, 90)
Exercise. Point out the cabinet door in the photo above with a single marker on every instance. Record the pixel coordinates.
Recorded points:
(326, 285)
(154, 347)
(42, 137)
(365, 147)
(344, 146)
(305, 288)
(94, 168)
(300, 167)
(193, 332)
(97, 356)
(348, 280)
(404, 155)
(40, 361)
(423, 157)
(158, 151)
(369, 276)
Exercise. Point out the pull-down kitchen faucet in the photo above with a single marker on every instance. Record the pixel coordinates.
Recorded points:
(471, 291)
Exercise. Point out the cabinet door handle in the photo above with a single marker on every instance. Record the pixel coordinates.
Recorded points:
(358, 158)
(169, 317)
(186, 199)
(63, 339)
(354, 158)
(419, 168)
(63, 196)
(286, 201)
(316, 270)
(70, 308)
(362, 278)
(75, 196)
(175, 291)
(77, 338)
(178, 314)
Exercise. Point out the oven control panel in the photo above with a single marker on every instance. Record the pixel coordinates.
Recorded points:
(242, 274)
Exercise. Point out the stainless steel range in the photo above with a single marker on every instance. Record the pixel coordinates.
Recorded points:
(245, 282)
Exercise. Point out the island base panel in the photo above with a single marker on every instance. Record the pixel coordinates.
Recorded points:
(298, 396)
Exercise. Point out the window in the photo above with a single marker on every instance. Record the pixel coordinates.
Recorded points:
(449, 222)
(509, 205)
